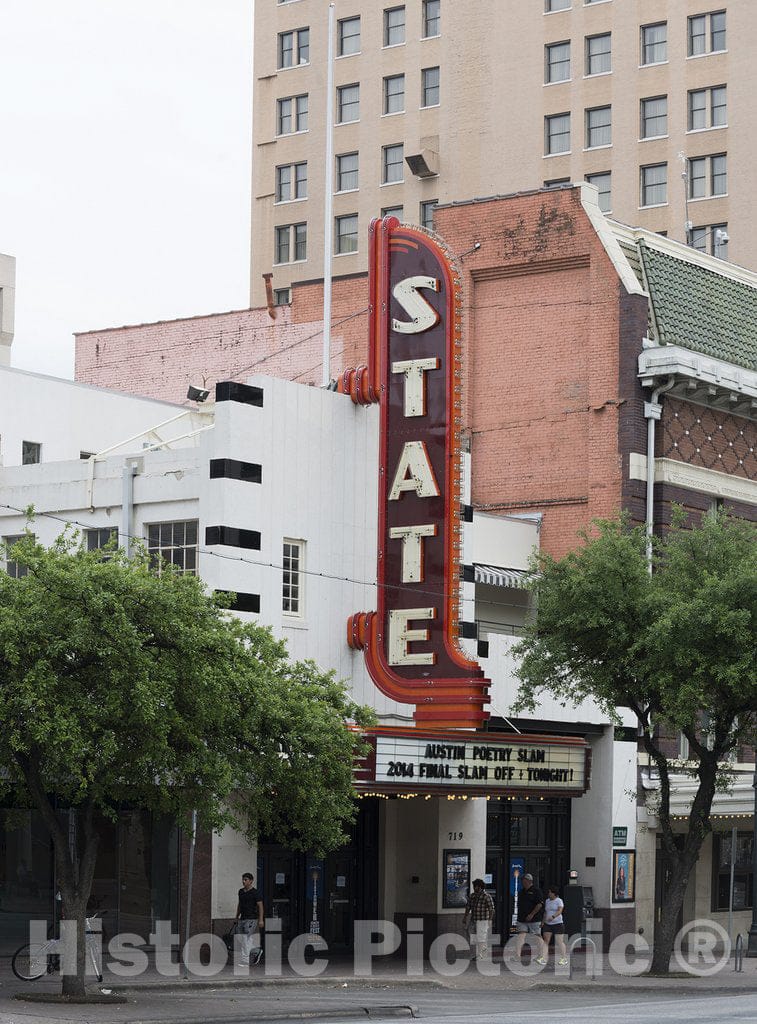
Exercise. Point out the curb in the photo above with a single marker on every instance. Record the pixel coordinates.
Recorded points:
(335, 982)
(359, 1013)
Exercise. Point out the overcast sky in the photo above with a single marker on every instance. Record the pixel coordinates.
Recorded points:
(124, 164)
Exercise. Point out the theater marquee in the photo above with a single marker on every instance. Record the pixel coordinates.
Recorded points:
(414, 372)
(402, 760)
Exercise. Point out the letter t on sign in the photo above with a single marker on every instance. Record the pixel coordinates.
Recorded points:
(412, 549)
(415, 383)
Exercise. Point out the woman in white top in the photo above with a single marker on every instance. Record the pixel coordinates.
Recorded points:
(553, 924)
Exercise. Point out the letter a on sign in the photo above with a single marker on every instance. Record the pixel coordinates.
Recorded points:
(411, 644)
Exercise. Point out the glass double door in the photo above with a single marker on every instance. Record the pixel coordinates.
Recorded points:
(527, 837)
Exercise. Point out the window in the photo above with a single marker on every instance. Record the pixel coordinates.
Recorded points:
(557, 134)
(743, 882)
(598, 54)
(654, 43)
(706, 33)
(85, 455)
(14, 569)
(708, 176)
(345, 234)
(556, 5)
(294, 48)
(654, 185)
(348, 36)
(291, 182)
(175, 543)
(394, 26)
(556, 182)
(598, 127)
(431, 18)
(654, 117)
(347, 103)
(31, 453)
(292, 577)
(346, 172)
(711, 238)
(292, 115)
(602, 180)
(393, 211)
(100, 537)
(430, 87)
(394, 94)
(291, 243)
(426, 213)
(707, 108)
(282, 296)
(391, 164)
(557, 62)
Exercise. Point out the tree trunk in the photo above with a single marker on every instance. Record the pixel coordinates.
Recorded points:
(75, 886)
(666, 930)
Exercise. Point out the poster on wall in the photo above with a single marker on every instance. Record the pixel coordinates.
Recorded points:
(623, 876)
(456, 878)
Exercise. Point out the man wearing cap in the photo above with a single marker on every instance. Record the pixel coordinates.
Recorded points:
(530, 906)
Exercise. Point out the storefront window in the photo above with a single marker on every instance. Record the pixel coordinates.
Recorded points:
(743, 882)
(26, 876)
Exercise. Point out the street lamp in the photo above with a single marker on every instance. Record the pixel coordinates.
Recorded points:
(751, 949)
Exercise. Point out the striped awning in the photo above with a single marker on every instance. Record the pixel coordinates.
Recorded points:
(497, 576)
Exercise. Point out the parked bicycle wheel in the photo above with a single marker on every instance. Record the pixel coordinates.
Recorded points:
(30, 962)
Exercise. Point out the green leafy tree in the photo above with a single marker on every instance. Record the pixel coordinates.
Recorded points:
(677, 647)
(121, 685)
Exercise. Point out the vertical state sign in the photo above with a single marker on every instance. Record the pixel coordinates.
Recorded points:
(414, 372)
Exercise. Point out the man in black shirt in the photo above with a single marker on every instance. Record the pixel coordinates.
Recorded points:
(251, 920)
(530, 906)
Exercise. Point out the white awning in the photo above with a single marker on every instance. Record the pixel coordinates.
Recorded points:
(497, 576)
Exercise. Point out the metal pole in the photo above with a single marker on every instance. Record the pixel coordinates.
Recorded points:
(751, 949)
(189, 892)
(328, 206)
(730, 892)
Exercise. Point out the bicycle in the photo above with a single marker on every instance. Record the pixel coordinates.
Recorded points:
(35, 959)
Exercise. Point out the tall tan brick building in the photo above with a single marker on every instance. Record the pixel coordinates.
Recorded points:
(442, 101)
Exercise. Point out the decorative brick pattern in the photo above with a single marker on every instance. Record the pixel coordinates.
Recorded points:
(709, 438)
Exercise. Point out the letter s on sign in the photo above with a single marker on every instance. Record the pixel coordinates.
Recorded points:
(417, 308)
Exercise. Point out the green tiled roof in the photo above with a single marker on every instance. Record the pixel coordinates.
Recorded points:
(700, 309)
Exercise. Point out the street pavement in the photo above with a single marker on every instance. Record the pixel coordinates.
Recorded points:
(338, 996)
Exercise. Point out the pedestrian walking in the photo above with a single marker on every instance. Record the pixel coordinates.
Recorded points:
(251, 918)
(554, 924)
(530, 905)
(479, 914)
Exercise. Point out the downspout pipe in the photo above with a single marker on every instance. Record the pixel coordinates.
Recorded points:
(652, 413)
(127, 505)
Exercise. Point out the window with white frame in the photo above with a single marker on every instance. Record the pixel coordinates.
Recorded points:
(598, 127)
(430, 87)
(345, 234)
(394, 94)
(556, 5)
(394, 26)
(599, 54)
(431, 18)
(706, 33)
(426, 213)
(708, 108)
(292, 589)
(602, 180)
(556, 182)
(290, 243)
(282, 296)
(654, 117)
(348, 36)
(291, 182)
(557, 62)
(654, 43)
(346, 172)
(556, 134)
(291, 114)
(393, 211)
(294, 48)
(392, 158)
(708, 176)
(98, 537)
(174, 543)
(31, 453)
(654, 184)
(12, 567)
(348, 103)
(711, 238)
